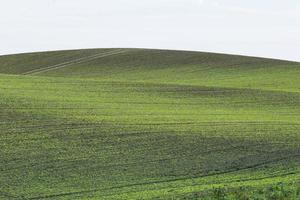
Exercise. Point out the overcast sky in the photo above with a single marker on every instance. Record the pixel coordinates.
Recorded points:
(267, 28)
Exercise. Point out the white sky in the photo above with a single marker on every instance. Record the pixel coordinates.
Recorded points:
(267, 28)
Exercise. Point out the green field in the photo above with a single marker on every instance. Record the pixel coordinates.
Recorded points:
(148, 124)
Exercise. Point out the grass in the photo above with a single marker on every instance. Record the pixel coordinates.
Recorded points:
(148, 124)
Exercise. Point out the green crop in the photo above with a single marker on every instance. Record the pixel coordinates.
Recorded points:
(148, 124)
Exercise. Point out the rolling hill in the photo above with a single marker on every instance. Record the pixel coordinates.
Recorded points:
(148, 124)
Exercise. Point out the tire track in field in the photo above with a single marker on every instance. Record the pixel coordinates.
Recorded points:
(69, 163)
(234, 181)
(76, 61)
(98, 190)
(165, 181)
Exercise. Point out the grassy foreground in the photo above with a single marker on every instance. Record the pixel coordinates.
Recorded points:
(148, 124)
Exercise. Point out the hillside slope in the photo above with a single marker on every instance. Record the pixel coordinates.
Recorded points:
(144, 124)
